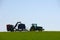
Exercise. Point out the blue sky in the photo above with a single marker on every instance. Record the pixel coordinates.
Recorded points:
(45, 13)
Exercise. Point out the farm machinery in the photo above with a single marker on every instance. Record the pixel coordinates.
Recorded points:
(34, 27)
(12, 28)
(21, 27)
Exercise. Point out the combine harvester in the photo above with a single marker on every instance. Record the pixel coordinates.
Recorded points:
(12, 28)
(22, 27)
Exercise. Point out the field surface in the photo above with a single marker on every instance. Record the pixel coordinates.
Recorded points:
(29, 35)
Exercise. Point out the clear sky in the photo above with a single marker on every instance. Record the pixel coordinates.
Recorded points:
(45, 13)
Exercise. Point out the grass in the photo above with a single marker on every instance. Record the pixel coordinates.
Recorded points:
(29, 35)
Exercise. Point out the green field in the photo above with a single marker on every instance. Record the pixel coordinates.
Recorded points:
(29, 35)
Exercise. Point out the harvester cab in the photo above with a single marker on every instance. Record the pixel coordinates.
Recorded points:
(10, 27)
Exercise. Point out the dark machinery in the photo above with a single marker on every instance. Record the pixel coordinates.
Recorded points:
(34, 27)
(21, 27)
(10, 27)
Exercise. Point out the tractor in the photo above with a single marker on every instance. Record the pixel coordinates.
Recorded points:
(34, 27)
(12, 28)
